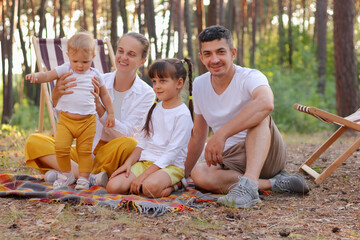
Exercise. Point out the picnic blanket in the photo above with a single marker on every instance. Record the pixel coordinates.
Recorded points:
(34, 188)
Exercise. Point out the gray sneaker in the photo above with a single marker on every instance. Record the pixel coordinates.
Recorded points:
(100, 179)
(64, 181)
(244, 194)
(292, 183)
(51, 176)
(82, 184)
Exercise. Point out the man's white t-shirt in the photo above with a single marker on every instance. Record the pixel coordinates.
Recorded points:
(167, 144)
(218, 110)
(81, 101)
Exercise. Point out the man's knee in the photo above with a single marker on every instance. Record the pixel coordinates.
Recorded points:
(200, 175)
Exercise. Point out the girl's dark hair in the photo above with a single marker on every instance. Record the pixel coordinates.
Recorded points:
(169, 68)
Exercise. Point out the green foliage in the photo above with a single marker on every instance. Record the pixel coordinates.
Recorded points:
(26, 116)
(297, 84)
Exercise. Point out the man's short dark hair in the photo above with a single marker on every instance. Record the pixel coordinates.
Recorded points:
(215, 32)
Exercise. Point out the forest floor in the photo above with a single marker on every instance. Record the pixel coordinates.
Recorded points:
(330, 211)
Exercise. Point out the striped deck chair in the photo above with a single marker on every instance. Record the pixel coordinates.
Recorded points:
(51, 53)
(349, 122)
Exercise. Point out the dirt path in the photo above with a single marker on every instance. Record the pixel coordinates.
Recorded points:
(330, 211)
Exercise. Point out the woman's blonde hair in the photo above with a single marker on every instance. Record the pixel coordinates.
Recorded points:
(81, 41)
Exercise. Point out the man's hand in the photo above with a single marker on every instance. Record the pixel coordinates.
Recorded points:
(214, 149)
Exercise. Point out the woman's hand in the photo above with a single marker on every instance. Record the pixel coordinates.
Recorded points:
(61, 87)
(125, 168)
(95, 82)
(100, 109)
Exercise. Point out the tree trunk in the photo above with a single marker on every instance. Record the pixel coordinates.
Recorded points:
(3, 43)
(123, 13)
(231, 15)
(169, 28)
(290, 32)
(281, 32)
(253, 32)
(84, 23)
(42, 18)
(244, 17)
(142, 31)
(55, 13)
(189, 33)
(150, 24)
(28, 89)
(261, 19)
(303, 6)
(62, 34)
(94, 17)
(321, 15)
(179, 28)
(8, 97)
(200, 20)
(212, 15)
(346, 75)
(141, 24)
(114, 15)
(221, 13)
(268, 27)
(238, 22)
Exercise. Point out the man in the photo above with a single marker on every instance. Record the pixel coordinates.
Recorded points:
(246, 152)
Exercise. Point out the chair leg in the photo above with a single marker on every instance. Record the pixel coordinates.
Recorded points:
(41, 109)
(325, 146)
(50, 109)
(338, 162)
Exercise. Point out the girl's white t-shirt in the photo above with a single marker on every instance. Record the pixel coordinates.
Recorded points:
(218, 110)
(167, 144)
(81, 101)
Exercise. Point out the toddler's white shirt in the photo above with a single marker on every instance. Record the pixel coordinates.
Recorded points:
(81, 101)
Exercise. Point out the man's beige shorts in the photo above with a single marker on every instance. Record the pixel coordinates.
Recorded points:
(234, 158)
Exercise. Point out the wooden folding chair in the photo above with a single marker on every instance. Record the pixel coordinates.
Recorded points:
(350, 122)
(51, 53)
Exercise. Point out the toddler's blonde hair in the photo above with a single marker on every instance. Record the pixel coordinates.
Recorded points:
(81, 41)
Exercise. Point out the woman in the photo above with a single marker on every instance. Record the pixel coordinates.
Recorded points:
(132, 98)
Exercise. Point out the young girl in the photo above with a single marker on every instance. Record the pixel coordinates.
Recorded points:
(77, 110)
(157, 162)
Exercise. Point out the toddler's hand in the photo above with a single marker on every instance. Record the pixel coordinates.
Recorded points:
(110, 121)
(31, 77)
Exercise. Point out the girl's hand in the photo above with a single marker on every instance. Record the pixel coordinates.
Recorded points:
(31, 77)
(125, 168)
(135, 187)
(61, 87)
(110, 121)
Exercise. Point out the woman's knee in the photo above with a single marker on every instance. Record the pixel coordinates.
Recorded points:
(114, 186)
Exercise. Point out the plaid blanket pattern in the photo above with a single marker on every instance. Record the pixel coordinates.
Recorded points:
(34, 188)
